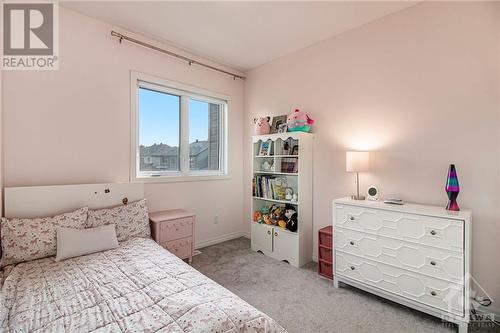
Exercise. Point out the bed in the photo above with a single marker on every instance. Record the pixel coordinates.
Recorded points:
(137, 287)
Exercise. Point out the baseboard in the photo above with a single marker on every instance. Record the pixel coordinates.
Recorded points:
(219, 239)
(247, 234)
(489, 310)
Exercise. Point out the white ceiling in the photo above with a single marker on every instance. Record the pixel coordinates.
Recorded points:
(239, 34)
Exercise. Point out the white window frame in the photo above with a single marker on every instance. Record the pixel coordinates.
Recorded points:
(185, 92)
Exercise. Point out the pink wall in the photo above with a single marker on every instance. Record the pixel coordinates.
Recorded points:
(73, 125)
(418, 88)
(1, 145)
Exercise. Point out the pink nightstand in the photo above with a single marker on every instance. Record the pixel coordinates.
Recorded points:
(174, 230)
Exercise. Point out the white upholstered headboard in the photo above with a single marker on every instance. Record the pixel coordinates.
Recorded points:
(41, 201)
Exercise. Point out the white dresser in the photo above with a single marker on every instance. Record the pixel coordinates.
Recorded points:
(415, 255)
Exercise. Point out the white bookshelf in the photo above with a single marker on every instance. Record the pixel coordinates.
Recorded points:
(272, 240)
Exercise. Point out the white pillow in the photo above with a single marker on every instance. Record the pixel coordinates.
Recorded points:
(78, 242)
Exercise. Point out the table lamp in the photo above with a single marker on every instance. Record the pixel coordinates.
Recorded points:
(357, 161)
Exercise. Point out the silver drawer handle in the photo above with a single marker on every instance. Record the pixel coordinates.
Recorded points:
(433, 263)
(276, 234)
(433, 293)
(269, 232)
(433, 232)
(353, 268)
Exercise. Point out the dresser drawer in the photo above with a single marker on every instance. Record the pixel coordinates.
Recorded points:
(182, 248)
(176, 229)
(432, 231)
(415, 257)
(432, 292)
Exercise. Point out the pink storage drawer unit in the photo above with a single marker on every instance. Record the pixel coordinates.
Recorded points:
(325, 252)
(325, 269)
(325, 236)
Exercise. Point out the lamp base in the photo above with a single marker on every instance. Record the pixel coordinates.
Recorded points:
(357, 197)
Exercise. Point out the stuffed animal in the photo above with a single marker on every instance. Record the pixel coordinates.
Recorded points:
(282, 224)
(267, 219)
(266, 166)
(299, 121)
(262, 126)
(257, 216)
(277, 214)
(292, 222)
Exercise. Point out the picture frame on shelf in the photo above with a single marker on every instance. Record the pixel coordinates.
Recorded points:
(277, 122)
(265, 148)
(283, 128)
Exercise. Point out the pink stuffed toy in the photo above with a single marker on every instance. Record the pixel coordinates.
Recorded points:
(262, 126)
(299, 121)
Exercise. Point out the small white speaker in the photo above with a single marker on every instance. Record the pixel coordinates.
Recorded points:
(372, 193)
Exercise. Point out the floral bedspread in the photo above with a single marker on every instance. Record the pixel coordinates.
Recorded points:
(138, 287)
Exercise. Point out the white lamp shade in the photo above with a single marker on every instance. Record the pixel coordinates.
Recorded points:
(357, 161)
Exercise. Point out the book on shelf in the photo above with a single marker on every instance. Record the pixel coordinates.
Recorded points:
(265, 187)
(290, 165)
(254, 187)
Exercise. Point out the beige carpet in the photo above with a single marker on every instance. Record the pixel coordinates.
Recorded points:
(303, 302)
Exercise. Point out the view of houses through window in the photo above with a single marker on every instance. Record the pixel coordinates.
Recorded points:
(160, 133)
(204, 135)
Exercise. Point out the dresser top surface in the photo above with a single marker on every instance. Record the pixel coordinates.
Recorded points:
(407, 208)
(172, 214)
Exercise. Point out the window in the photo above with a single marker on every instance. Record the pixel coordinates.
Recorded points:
(204, 135)
(180, 132)
(159, 120)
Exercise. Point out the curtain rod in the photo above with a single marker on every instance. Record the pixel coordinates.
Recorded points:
(190, 61)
